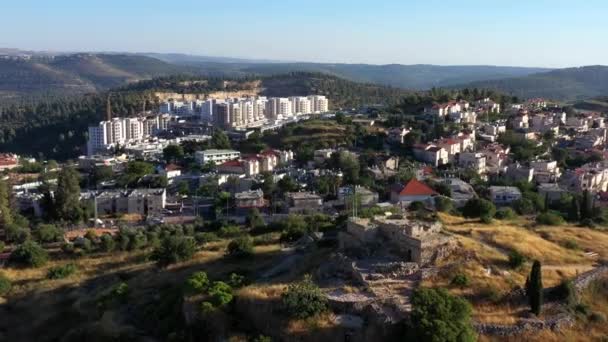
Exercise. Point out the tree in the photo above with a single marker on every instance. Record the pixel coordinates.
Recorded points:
(478, 207)
(534, 288)
(438, 316)
(48, 233)
(173, 153)
(287, 184)
(29, 254)
(574, 210)
(174, 249)
(6, 215)
(241, 247)
(585, 206)
(304, 299)
(102, 173)
(134, 171)
(254, 219)
(220, 140)
(67, 196)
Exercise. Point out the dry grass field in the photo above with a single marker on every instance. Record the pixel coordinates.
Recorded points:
(486, 249)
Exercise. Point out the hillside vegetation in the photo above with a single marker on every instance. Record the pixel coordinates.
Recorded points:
(77, 74)
(563, 84)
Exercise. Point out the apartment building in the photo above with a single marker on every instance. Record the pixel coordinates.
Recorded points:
(216, 156)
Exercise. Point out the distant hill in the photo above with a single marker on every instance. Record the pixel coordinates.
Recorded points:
(569, 84)
(419, 77)
(597, 104)
(69, 74)
(78, 74)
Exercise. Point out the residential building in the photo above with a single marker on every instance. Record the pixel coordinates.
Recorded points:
(8, 161)
(145, 202)
(473, 160)
(303, 202)
(216, 156)
(504, 195)
(247, 200)
(545, 171)
(413, 191)
(431, 154)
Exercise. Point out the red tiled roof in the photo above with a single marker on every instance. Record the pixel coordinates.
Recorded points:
(416, 188)
(172, 167)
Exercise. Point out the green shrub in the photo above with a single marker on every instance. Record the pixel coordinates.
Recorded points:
(60, 272)
(29, 254)
(416, 206)
(262, 338)
(230, 231)
(443, 204)
(107, 243)
(207, 308)
(460, 280)
(48, 233)
(174, 249)
(2, 246)
(240, 247)
(487, 219)
(516, 259)
(565, 291)
(571, 244)
(220, 293)
(304, 299)
(478, 207)
(550, 219)
(582, 309)
(524, 206)
(505, 214)
(198, 282)
(236, 280)
(438, 316)
(205, 237)
(490, 293)
(5, 284)
(597, 317)
(264, 239)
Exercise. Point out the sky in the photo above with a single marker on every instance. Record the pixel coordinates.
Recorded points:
(540, 33)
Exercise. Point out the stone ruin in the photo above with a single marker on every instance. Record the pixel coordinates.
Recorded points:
(381, 261)
(413, 241)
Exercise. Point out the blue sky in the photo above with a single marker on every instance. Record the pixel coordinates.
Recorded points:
(551, 33)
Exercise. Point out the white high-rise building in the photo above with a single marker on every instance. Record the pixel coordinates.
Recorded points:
(319, 104)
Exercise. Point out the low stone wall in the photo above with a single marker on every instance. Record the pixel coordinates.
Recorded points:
(555, 323)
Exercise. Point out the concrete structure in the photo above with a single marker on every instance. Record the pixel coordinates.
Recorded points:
(504, 195)
(303, 202)
(247, 200)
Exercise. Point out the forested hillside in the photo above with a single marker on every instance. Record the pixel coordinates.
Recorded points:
(563, 84)
(77, 74)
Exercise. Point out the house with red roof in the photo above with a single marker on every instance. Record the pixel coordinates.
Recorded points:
(171, 171)
(8, 161)
(248, 166)
(414, 190)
